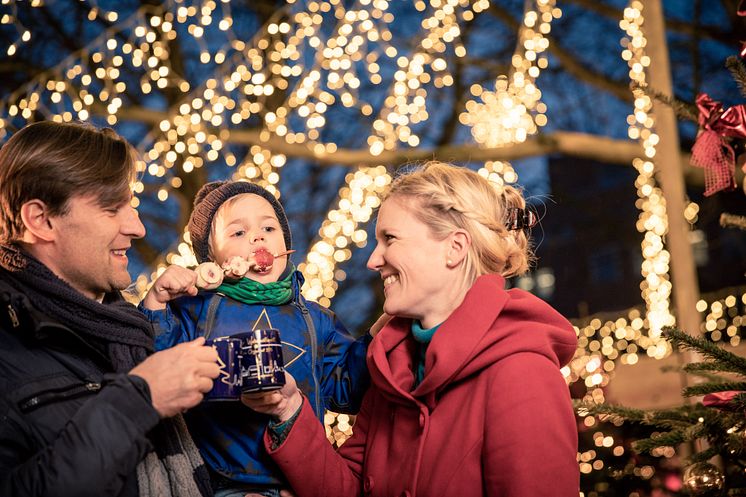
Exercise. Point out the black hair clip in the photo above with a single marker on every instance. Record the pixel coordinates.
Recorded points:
(521, 219)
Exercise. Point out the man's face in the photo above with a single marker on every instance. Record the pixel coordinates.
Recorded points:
(89, 249)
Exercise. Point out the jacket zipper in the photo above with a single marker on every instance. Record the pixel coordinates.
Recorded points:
(314, 353)
(68, 393)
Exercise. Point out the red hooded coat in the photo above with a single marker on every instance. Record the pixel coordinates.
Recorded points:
(492, 416)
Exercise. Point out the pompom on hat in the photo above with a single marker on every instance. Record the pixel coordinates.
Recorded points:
(209, 199)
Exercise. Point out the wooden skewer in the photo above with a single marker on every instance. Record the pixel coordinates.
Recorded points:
(287, 252)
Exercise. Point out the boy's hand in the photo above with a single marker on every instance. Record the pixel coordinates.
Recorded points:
(280, 404)
(174, 282)
(379, 324)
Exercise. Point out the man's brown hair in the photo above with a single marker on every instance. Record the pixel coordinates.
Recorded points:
(53, 162)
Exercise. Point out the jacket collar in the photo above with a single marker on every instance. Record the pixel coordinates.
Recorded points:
(19, 316)
(453, 346)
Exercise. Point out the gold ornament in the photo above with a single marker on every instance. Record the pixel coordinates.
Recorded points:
(703, 479)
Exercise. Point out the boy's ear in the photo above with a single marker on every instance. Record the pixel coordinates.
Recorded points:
(36, 220)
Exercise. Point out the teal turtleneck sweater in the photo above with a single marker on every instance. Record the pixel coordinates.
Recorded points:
(423, 337)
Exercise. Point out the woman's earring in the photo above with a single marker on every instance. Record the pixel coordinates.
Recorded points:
(449, 263)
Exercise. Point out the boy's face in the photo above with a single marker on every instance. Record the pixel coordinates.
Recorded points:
(243, 225)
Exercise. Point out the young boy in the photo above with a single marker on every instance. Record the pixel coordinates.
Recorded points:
(238, 219)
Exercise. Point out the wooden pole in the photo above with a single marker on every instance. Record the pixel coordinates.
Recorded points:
(671, 178)
(670, 175)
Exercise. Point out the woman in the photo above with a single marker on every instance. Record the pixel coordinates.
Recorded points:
(467, 398)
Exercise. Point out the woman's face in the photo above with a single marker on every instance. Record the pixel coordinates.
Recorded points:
(416, 280)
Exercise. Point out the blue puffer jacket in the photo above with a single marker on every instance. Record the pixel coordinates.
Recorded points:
(327, 363)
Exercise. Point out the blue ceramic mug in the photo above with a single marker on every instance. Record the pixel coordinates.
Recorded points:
(262, 366)
(227, 386)
(249, 362)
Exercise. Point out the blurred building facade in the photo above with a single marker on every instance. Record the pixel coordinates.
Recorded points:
(588, 247)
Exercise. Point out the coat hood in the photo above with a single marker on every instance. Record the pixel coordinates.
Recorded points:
(489, 325)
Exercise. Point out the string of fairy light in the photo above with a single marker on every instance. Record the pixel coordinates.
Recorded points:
(405, 106)
(308, 101)
(624, 339)
(656, 286)
(514, 110)
(11, 18)
(89, 81)
(602, 343)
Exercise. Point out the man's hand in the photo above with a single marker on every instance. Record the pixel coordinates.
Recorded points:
(281, 404)
(179, 377)
(174, 282)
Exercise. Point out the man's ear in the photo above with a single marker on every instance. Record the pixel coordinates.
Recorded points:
(460, 241)
(36, 219)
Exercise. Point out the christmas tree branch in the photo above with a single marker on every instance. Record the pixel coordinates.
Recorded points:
(738, 403)
(684, 341)
(706, 388)
(704, 455)
(732, 221)
(669, 439)
(703, 368)
(683, 110)
(668, 419)
(614, 412)
(735, 443)
(738, 71)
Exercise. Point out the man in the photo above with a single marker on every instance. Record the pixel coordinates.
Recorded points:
(85, 409)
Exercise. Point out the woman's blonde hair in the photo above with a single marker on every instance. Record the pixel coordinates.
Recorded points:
(447, 198)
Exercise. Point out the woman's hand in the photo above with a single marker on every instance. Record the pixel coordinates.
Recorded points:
(280, 404)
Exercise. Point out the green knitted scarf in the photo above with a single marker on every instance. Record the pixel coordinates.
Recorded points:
(249, 291)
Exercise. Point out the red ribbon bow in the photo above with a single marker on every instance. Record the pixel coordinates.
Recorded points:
(722, 400)
(712, 150)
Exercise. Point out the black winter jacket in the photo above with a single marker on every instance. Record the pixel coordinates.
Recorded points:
(68, 425)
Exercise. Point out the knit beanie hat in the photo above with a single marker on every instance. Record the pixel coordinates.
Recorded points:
(209, 199)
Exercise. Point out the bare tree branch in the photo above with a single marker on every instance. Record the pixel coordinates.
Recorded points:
(572, 144)
(711, 32)
(571, 64)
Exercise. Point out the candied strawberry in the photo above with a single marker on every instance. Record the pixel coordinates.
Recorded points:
(263, 259)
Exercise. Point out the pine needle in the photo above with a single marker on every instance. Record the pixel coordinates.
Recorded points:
(668, 439)
(705, 388)
(682, 109)
(614, 412)
(704, 455)
(738, 404)
(738, 71)
(730, 362)
(704, 369)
